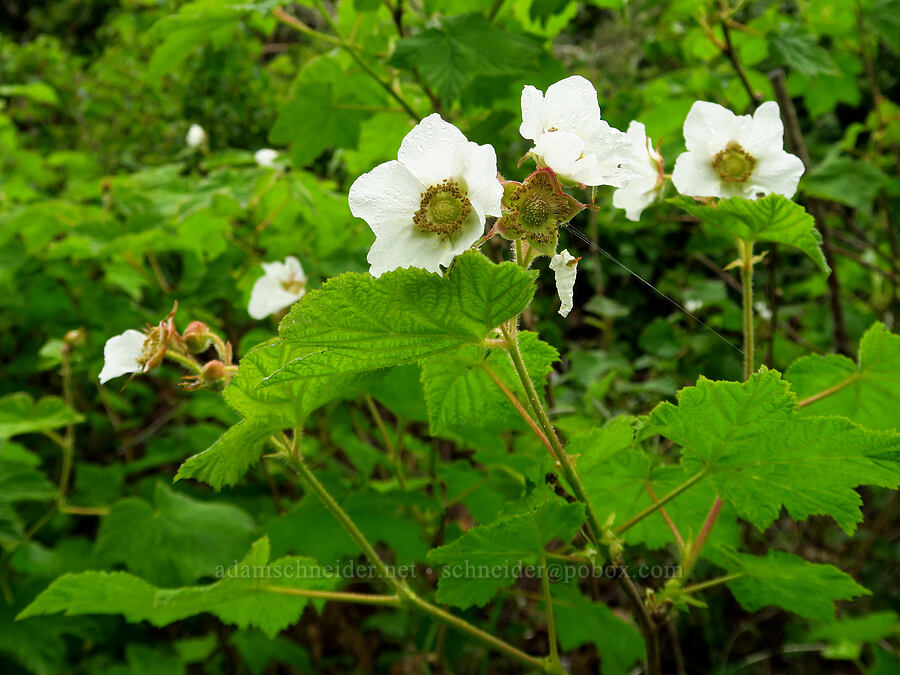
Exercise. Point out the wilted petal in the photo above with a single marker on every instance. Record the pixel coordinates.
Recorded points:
(565, 268)
(121, 354)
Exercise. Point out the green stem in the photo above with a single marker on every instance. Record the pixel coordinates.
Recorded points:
(347, 523)
(827, 392)
(712, 582)
(407, 595)
(746, 249)
(485, 637)
(361, 62)
(358, 598)
(659, 503)
(548, 604)
(595, 529)
(393, 453)
(189, 362)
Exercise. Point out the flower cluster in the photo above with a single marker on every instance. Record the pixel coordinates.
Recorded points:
(432, 202)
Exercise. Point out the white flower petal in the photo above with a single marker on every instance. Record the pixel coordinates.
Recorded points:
(694, 176)
(405, 247)
(121, 353)
(709, 126)
(386, 197)
(764, 132)
(265, 157)
(294, 269)
(565, 279)
(428, 149)
(563, 152)
(571, 105)
(610, 149)
(476, 166)
(196, 136)
(269, 296)
(532, 113)
(777, 172)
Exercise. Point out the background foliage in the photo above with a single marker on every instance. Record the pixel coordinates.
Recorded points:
(106, 217)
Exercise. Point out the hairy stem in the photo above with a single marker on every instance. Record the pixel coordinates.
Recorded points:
(403, 591)
(548, 608)
(529, 420)
(702, 586)
(338, 596)
(746, 249)
(687, 565)
(595, 529)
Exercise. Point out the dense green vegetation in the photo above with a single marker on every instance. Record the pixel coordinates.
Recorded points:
(709, 478)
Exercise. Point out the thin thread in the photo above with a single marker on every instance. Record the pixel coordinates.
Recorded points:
(580, 235)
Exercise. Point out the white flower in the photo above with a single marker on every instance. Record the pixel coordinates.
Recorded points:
(644, 162)
(430, 204)
(281, 286)
(265, 157)
(196, 136)
(569, 135)
(763, 310)
(122, 355)
(693, 305)
(735, 155)
(564, 266)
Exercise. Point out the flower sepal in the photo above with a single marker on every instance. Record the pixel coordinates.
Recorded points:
(535, 209)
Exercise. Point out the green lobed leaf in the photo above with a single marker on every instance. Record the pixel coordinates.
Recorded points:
(580, 621)
(356, 322)
(773, 218)
(790, 582)
(619, 476)
(241, 598)
(20, 414)
(867, 628)
(338, 340)
(20, 482)
(487, 558)
(798, 48)
(867, 392)
(460, 393)
(761, 455)
(454, 51)
(176, 540)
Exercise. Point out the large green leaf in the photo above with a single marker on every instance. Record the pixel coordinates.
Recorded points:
(339, 338)
(176, 540)
(789, 582)
(20, 482)
(356, 322)
(459, 391)
(761, 455)
(867, 392)
(619, 478)
(20, 414)
(243, 596)
(581, 621)
(773, 218)
(457, 49)
(487, 558)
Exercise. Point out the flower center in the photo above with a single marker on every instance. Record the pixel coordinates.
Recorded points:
(734, 164)
(443, 209)
(151, 345)
(293, 286)
(534, 212)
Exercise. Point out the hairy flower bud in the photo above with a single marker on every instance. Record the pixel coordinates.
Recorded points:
(196, 337)
(214, 375)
